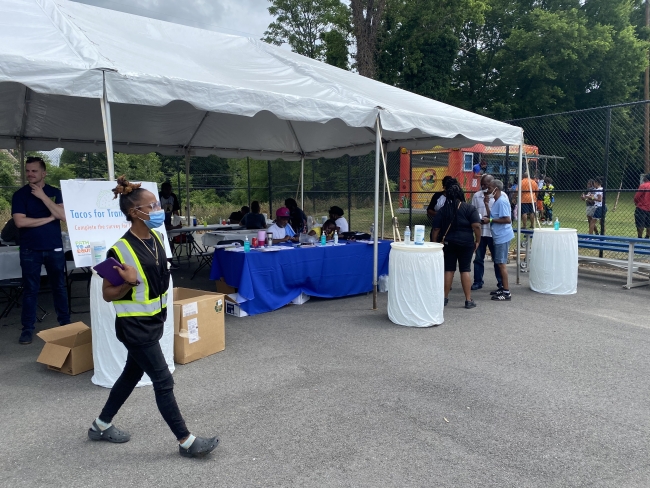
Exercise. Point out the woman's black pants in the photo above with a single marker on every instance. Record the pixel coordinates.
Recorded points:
(148, 360)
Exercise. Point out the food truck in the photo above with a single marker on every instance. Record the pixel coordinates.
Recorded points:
(421, 172)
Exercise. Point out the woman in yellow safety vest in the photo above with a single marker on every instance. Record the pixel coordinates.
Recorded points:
(141, 310)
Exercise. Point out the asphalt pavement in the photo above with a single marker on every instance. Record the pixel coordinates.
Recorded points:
(544, 391)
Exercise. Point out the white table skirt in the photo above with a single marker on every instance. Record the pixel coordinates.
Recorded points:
(554, 261)
(416, 287)
(109, 354)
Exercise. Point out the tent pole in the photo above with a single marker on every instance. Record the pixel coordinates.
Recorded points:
(187, 185)
(302, 182)
(383, 210)
(108, 131)
(248, 170)
(375, 245)
(21, 159)
(518, 254)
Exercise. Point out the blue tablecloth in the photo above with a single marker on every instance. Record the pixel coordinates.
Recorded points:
(270, 280)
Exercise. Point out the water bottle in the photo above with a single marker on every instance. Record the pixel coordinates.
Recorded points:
(247, 245)
(407, 235)
(323, 239)
(556, 226)
(336, 238)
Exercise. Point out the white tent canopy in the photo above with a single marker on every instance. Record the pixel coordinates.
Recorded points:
(171, 86)
(91, 79)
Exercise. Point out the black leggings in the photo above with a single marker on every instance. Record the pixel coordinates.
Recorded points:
(148, 360)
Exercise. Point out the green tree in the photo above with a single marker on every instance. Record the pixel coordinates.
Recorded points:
(85, 165)
(9, 179)
(418, 46)
(536, 57)
(366, 25)
(304, 25)
(57, 173)
(139, 167)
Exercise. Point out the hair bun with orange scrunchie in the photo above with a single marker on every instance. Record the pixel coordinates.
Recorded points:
(124, 187)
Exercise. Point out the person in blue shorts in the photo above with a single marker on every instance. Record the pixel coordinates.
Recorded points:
(498, 216)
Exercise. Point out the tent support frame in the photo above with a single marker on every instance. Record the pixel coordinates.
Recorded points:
(375, 234)
(188, 157)
(108, 130)
(21, 140)
(520, 165)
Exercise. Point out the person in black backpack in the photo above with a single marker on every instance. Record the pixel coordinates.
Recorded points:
(460, 226)
(10, 233)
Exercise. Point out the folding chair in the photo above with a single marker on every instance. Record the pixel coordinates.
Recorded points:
(205, 257)
(12, 291)
(76, 275)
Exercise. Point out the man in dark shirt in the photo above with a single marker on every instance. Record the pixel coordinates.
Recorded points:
(236, 217)
(169, 203)
(298, 220)
(38, 210)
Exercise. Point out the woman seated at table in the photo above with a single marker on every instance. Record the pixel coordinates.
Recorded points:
(328, 228)
(280, 230)
(254, 219)
(336, 214)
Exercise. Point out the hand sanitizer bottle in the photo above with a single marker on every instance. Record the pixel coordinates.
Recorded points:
(247, 245)
(556, 226)
(336, 238)
(323, 239)
(407, 235)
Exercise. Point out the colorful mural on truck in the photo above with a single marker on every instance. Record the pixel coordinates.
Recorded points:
(421, 172)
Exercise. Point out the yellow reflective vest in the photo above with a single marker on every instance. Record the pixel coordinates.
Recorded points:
(141, 304)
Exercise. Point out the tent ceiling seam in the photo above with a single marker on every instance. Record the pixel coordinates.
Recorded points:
(23, 122)
(293, 131)
(205, 116)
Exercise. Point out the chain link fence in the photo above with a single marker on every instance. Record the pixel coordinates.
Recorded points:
(221, 186)
(604, 144)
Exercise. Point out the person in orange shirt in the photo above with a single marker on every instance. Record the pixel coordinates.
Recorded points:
(529, 191)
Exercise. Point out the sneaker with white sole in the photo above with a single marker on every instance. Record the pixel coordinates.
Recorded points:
(502, 297)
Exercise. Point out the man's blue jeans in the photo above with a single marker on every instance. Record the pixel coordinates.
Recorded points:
(479, 260)
(31, 262)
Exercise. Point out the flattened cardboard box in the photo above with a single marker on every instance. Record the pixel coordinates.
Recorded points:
(233, 301)
(199, 328)
(68, 349)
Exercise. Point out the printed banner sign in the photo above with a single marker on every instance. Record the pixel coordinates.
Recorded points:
(93, 215)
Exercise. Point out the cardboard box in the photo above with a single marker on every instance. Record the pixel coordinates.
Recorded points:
(300, 299)
(199, 329)
(234, 301)
(232, 305)
(225, 288)
(68, 349)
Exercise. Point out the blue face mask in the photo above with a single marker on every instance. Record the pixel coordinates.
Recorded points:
(156, 219)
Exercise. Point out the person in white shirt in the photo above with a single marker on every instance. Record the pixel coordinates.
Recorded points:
(280, 230)
(336, 214)
(478, 200)
(600, 210)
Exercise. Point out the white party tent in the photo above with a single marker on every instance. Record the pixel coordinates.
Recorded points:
(91, 79)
